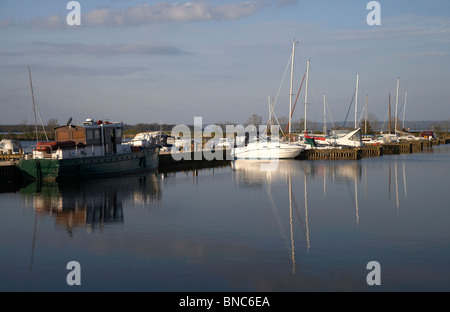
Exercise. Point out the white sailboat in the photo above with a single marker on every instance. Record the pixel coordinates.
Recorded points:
(350, 139)
(270, 147)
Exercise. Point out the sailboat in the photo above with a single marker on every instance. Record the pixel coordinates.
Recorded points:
(404, 135)
(350, 139)
(270, 147)
(344, 137)
(391, 137)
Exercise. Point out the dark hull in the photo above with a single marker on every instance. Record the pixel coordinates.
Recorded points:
(55, 169)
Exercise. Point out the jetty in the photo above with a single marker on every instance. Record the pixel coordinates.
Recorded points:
(191, 160)
(404, 147)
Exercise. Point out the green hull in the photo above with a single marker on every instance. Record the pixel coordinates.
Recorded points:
(54, 169)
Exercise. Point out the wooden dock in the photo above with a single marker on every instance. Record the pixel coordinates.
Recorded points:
(196, 160)
(9, 177)
(8, 170)
(330, 154)
(405, 147)
(191, 160)
(9, 157)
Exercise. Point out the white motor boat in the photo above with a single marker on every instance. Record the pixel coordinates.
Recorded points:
(8, 146)
(267, 149)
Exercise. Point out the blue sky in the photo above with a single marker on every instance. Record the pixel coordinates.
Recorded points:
(170, 61)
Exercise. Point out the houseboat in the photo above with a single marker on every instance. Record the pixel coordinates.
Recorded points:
(92, 148)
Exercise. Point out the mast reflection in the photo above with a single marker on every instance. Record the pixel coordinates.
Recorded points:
(316, 174)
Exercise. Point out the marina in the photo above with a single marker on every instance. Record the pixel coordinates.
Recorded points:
(309, 225)
(219, 153)
(196, 159)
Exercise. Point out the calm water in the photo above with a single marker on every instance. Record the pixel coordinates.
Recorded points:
(307, 226)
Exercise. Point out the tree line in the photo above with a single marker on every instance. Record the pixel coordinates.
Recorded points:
(25, 131)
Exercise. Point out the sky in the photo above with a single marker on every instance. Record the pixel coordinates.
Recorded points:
(171, 61)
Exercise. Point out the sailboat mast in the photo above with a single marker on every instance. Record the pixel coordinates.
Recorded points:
(356, 100)
(404, 110)
(306, 91)
(390, 127)
(365, 121)
(396, 105)
(292, 81)
(269, 128)
(324, 115)
(34, 106)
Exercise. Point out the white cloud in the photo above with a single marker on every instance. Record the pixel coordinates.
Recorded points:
(145, 14)
(148, 48)
(52, 22)
(7, 22)
(169, 12)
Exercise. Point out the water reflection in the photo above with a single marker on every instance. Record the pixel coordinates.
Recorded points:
(345, 180)
(308, 225)
(90, 204)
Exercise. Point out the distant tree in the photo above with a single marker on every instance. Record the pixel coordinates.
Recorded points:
(437, 128)
(23, 126)
(372, 121)
(254, 119)
(52, 124)
(283, 121)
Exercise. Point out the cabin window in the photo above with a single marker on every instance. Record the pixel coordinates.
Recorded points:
(89, 134)
(118, 133)
(97, 134)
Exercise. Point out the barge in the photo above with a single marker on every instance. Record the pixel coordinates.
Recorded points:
(93, 148)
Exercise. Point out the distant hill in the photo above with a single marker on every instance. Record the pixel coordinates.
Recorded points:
(414, 126)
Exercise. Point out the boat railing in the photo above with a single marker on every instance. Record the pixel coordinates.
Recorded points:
(34, 150)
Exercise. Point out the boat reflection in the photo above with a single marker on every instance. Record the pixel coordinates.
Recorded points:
(90, 204)
(339, 175)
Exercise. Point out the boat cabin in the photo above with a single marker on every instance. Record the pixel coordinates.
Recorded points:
(8, 146)
(90, 133)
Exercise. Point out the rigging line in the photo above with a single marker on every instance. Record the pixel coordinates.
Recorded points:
(329, 113)
(402, 106)
(42, 124)
(361, 85)
(353, 97)
(282, 80)
(34, 106)
(275, 116)
(362, 112)
(279, 126)
(295, 103)
(384, 122)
